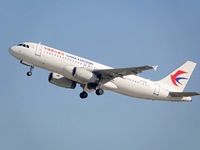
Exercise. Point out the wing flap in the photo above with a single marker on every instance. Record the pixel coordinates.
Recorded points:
(183, 94)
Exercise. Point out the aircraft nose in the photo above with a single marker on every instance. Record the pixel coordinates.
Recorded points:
(10, 50)
(13, 51)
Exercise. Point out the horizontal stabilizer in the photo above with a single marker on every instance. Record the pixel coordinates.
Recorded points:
(183, 94)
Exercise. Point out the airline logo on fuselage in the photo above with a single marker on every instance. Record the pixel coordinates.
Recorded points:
(176, 79)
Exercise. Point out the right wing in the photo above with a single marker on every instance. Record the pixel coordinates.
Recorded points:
(109, 74)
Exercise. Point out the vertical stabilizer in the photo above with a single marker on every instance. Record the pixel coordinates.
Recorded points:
(179, 78)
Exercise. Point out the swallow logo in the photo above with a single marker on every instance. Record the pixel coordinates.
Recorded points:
(176, 79)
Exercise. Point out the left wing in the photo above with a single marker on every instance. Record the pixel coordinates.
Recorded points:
(109, 74)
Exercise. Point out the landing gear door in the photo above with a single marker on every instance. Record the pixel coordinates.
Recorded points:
(38, 50)
(157, 89)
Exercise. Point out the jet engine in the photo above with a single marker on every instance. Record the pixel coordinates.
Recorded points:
(85, 75)
(61, 81)
(80, 74)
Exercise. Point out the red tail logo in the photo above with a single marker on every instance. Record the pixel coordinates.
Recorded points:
(175, 79)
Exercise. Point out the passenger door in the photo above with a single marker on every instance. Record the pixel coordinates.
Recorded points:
(38, 50)
(157, 89)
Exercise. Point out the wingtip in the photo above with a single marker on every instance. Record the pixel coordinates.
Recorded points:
(155, 67)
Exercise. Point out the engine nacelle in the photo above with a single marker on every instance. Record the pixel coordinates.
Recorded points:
(85, 75)
(68, 71)
(80, 74)
(61, 81)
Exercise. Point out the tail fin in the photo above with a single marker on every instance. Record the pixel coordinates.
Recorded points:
(179, 78)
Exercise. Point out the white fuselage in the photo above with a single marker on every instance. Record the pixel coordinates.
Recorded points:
(55, 60)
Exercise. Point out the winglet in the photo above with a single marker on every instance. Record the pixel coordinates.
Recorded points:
(155, 67)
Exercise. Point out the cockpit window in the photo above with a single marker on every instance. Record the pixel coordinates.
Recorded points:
(24, 45)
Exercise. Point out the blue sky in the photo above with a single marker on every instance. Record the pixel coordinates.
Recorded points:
(38, 115)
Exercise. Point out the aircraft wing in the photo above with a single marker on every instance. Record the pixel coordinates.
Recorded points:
(109, 74)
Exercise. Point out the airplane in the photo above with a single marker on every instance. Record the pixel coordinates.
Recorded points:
(68, 70)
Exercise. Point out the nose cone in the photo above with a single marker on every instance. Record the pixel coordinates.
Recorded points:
(11, 50)
(14, 51)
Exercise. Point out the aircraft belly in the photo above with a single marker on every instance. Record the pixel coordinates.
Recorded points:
(109, 86)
